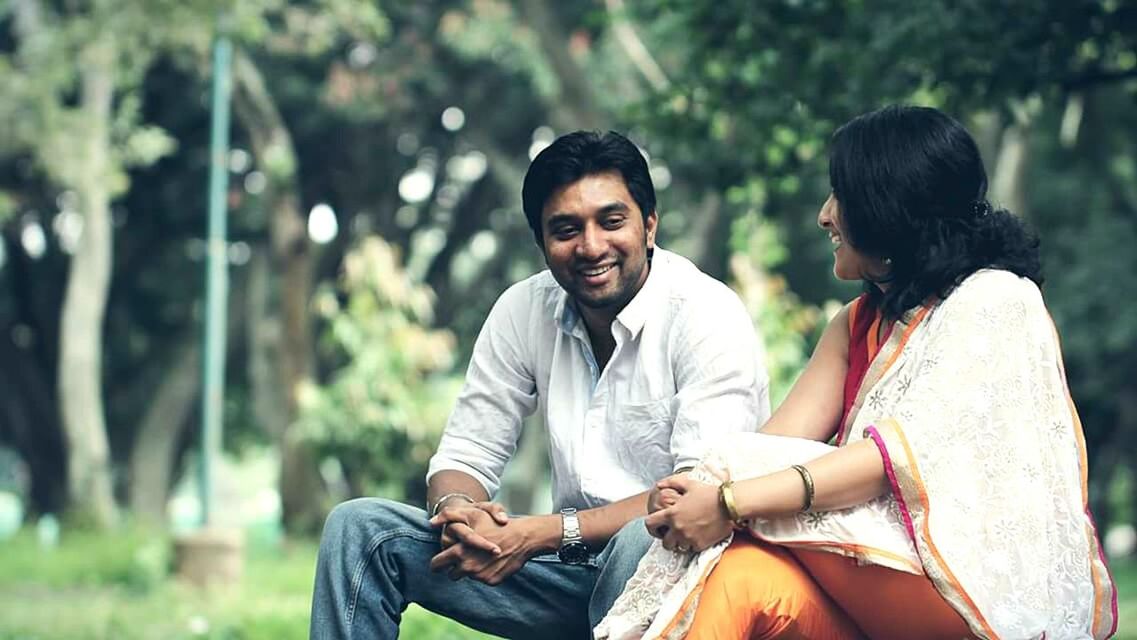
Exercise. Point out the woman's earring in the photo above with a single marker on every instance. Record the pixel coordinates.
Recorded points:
(888, 262)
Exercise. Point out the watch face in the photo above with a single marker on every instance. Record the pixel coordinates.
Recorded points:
(573, 553)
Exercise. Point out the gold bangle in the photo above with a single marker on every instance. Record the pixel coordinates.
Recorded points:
(807, 480)
(726, 498)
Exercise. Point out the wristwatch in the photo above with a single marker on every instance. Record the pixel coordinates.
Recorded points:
(573, 550)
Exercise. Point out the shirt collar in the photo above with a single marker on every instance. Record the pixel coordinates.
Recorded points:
(645, 303)
(635, 314)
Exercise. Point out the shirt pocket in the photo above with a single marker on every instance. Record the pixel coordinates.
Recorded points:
(642, 438)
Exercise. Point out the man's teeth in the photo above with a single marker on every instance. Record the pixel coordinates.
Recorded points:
(597, 271)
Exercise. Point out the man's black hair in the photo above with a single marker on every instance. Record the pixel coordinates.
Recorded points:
(575, 155)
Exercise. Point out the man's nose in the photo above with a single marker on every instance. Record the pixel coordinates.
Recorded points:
(593, 244)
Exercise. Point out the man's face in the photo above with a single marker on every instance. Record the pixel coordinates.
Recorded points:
(596, 241)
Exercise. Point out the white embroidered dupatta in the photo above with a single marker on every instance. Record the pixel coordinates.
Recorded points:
(968, 404)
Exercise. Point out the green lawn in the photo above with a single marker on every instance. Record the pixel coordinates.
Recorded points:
(97, 587)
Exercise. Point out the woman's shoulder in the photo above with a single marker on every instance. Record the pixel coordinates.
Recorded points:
(991, 290)
(858, 313)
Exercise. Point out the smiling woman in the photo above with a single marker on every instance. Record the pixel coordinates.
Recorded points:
(848, 262)
(944, 390)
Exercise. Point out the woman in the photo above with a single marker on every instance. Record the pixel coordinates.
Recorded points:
(954, 501)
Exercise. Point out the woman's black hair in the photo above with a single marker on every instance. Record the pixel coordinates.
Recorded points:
(575, 155)
(911, 188)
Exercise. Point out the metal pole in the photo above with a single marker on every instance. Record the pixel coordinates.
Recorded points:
(217, 277)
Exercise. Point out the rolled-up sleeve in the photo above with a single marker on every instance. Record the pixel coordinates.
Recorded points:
(499, 393)
(722, 386)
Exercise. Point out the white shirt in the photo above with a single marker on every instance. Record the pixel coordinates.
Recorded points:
(687, 369)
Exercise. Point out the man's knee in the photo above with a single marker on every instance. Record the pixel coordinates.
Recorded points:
(363, 517)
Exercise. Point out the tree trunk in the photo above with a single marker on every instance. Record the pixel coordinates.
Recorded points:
(301, 489)
(152, 457)
(84, 304)
(703, 237)
(155, 454)
(29, 421)
(1008, 188)
(263, 345)
(576, 106)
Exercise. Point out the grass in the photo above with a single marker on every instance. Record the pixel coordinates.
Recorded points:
(117, 587)
(98, 587)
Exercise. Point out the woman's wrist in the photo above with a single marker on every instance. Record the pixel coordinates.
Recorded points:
(807, 485)
(728, 505)
(776, 495)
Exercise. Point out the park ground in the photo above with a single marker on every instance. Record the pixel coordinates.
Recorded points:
(95, 587)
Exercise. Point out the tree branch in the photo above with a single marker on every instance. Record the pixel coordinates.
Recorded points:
(580, 109)
(1097, 78)
(635, 48)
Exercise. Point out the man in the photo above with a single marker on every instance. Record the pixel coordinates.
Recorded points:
(634, 358)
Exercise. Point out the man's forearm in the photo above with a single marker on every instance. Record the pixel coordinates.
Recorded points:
(597, 526)
(451, 482)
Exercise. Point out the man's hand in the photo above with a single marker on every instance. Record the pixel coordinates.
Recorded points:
(465, 545)
(696, 520)
(515, 542)
(459, 524)
(662, 495)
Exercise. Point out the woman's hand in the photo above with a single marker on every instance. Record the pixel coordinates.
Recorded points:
(696, 520)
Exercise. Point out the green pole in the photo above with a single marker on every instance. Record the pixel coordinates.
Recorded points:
(217, 277)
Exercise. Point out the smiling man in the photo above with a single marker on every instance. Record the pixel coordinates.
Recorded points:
(634, 358)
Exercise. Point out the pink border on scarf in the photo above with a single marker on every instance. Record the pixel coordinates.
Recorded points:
(871, 432)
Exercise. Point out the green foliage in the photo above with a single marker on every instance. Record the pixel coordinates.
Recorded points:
(785, 324)
(381, 411)
(757, 90)
(56, 46)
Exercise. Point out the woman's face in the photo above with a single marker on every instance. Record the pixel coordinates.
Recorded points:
(848, 263)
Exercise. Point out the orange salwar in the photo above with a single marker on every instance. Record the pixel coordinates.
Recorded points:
(762, 591)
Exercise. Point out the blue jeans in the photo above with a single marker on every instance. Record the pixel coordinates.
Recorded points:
(374, 561)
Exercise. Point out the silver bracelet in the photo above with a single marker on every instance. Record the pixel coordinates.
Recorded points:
(457, 494)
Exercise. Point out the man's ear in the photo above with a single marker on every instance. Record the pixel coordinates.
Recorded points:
(651, 223)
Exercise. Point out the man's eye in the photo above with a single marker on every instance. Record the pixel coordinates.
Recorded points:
(564, 232)
(614, 223)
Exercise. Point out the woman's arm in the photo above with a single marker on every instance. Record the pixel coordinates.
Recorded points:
(842, 478)
(813, 407)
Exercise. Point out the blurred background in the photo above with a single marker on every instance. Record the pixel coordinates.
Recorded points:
(370, 184)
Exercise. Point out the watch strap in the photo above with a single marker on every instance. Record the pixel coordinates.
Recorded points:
(570, 526)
